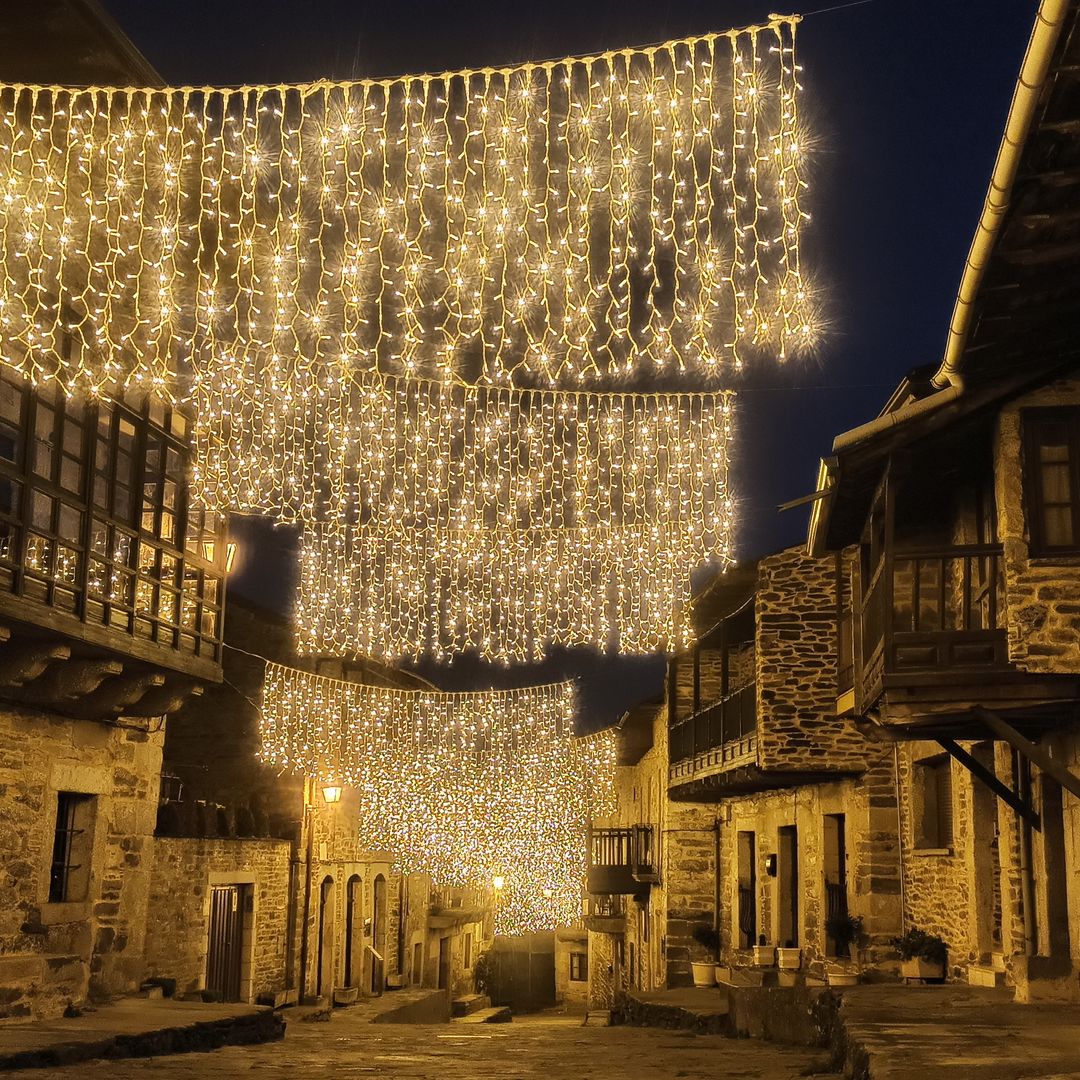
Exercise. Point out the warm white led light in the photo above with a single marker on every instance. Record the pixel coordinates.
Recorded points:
(471, 787)
(548, 222)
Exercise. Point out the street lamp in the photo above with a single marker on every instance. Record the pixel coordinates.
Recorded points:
(331, 793)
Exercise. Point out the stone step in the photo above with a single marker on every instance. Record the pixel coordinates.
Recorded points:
(985, 975)
(499, 1014)
(469, 1003)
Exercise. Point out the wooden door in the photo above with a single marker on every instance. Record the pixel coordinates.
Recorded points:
(226, 933)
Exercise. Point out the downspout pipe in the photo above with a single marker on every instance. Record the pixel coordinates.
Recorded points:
(1033, 74)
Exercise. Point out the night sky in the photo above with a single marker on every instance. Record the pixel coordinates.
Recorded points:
(907, 99)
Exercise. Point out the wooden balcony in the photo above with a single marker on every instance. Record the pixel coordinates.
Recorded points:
(929, 615)
(718, 738)
(605, 914)
(621, 860)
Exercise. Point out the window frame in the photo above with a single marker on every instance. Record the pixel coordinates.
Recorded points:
(1033, 421)
(579, 966)
(75, 817)
(95, 552)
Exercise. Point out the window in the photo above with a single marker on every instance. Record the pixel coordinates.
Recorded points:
(73, 844)
(1052, 478)
(933, 810)
(94, 518)
(579, 967)
(468, 951)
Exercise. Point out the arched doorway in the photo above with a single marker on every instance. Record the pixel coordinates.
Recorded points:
(324, 975)
(378, 924)
(354, 921)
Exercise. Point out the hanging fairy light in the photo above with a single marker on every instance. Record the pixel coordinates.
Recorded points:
(550, 222)
(301, 265)
(494, 519)
(467, 787)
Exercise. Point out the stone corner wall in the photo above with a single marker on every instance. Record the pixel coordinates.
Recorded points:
(53, 955)
(796, 667)
(689, 879)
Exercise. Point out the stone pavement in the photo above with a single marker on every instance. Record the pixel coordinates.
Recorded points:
(134, 1026)
(957, 1033)
(544, 1047)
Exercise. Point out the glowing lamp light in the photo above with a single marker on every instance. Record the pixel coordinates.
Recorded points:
(498, 881)
(331, 793)
(209, 549)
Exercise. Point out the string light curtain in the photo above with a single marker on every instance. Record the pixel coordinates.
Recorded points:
(506, 521)
(550, 222)
(466, 787)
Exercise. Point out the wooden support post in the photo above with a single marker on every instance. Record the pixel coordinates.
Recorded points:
(1032, 751)
(981, 772)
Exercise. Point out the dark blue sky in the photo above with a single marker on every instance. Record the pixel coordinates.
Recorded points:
(908, 99)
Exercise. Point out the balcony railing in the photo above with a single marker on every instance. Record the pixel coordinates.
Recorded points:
(932, 611)
(621, 860)
(728, 723)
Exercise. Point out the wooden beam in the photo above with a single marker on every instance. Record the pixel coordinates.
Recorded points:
(1032, 751)
(981, 772)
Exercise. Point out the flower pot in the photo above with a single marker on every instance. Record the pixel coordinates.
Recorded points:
(704, 974)
(836, 977)
(722, 972)
(918, 968)
(764, 955)
(788, 959)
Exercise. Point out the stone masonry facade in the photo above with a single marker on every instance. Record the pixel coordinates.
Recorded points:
(177, 936)
(56, 954)
(796, 667)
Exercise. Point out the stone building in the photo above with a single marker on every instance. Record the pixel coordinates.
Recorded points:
(111, 592)
(767, 815)
(957, 512)
(263, 888)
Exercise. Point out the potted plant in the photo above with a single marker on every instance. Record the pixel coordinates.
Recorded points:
(764, 955)
(845, 930)
(708, 937)
(922, 955)
(788, 956)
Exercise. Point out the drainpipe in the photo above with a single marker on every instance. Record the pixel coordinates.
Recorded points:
(1027, 873)
(717, 896)
(1029, 86)
(899, 836)
(309, 818)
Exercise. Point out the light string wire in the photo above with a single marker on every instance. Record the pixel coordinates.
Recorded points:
(278, 256)
(542, 224)
(463, 786)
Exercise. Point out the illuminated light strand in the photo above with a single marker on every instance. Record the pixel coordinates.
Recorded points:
(441, 518)
(541, 224)
(465, 786)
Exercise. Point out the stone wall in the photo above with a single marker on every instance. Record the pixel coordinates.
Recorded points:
(1042, 594)
(872, 871)
(796, 665)
(969, 892)
(55, 954)
(177, 938)
(571, 992)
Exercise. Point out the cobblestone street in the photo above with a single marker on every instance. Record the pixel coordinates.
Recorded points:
(553, 1047)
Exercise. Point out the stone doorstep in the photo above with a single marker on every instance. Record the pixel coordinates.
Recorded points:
(469, 1003)
(985, 975)
(499, 1014)
(149, 1032)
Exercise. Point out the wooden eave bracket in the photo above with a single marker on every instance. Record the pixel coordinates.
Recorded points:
(981, 772)
(1034, 752)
